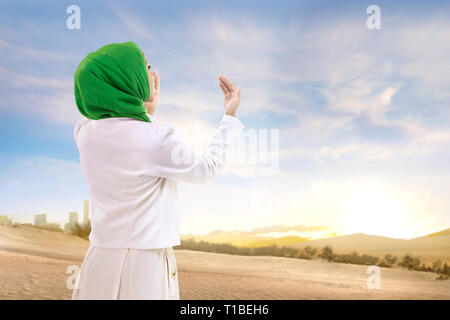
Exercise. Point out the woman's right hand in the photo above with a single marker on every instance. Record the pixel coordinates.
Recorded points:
(153, 81)
(232, 95)
(153, 99)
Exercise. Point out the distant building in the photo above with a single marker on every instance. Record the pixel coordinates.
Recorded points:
(40, 219)
(4, 220)
(86, 212)
(73, 217)
(73, 220)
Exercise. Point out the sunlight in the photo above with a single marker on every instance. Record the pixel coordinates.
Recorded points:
(376, 211)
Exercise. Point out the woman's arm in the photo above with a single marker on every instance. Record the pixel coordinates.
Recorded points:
(172, 159)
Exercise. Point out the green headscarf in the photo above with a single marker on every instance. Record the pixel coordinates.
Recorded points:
(113, 82)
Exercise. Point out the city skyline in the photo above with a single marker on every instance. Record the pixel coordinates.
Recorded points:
(42, 218)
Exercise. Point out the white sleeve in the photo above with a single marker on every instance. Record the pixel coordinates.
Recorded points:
(171, 159)
(77, 127)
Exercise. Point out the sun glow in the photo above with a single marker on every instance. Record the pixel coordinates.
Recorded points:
(376, 211)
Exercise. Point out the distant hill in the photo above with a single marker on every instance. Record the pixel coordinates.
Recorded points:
(281, 241)
(281, 228)
(244, 240)
(445, 232)
(34, 241)
(275, 228)
(257, 237)
(428, 248)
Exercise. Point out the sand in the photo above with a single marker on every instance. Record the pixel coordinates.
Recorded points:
(38, 270)
(219, 276)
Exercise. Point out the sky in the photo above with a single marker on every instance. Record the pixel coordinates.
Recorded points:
(359, 117)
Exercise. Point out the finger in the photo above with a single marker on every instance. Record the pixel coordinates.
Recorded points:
(151, 83)
(155, 75)
(229, 83)
(146, 62)
(224, 84)
(224, 89)
(239, 92)
(222, 80)
(157, 84)
(221, 87)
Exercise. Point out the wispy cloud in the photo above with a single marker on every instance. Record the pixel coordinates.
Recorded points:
(45, 97)
(134, 25)
(35, 53)
(24, 81)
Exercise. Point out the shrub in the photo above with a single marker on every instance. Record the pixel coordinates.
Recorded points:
(384, 264)
(327, 253)
(310, 251)
(81, 230)
(355, 258)
(410, 262)
(443, 272)
(436, 266)
(390, 259)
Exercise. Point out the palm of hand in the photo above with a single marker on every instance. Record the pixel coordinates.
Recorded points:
(229, 99)
(231, 94)
(153, 99)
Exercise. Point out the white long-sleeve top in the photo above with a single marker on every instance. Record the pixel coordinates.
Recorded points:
(132, 168)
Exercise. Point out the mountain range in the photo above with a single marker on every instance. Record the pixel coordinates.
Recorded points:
(429, 247)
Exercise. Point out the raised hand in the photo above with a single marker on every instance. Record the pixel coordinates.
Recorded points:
(153, 99)
(153, 81)
(232, 95)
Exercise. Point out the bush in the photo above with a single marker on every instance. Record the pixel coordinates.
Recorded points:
(388, 261)
(383, 264)
(443, 272)
(410, 262)
(436, 266)
(327, 254)
(273, 250)
(307, 253)
(81, 230)
(355, 258)
(310, 251)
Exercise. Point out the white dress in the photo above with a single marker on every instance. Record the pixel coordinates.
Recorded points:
(127, 274)
(132, 169)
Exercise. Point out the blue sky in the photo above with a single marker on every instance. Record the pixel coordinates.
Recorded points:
(363, 115)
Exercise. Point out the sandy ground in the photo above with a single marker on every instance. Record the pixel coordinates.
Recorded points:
(219, 276)
(38, 270)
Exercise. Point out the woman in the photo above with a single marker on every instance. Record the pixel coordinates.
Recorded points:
(132, 166)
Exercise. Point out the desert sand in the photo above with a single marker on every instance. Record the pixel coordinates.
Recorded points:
(33, 265)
